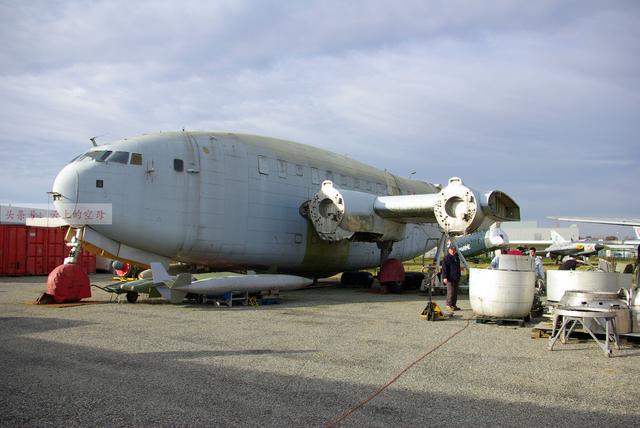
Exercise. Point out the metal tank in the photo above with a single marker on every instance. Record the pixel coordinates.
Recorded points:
(515, 262)
(560, 281)
(602, 301)
(501, 293)
(633, 299)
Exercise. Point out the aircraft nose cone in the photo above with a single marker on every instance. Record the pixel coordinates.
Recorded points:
(599, 247)
(65, 187)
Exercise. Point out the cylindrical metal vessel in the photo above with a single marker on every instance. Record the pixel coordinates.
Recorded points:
(608, 301)
(590, 299)
(501, 293)
(514, 262)
(635, 310)
(559, 281)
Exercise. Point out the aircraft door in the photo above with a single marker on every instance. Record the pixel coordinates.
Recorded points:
(191, 199)
(236, 196)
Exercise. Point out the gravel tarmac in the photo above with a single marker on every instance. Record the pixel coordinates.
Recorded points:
(303, 362)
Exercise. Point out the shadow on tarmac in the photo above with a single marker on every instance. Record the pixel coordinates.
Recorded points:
(50, 383)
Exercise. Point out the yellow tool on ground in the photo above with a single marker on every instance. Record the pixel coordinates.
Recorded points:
(432, 312)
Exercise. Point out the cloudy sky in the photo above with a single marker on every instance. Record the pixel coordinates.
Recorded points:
(540, 99)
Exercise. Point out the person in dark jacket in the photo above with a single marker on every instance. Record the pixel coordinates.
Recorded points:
(451, 277)
(638, 267)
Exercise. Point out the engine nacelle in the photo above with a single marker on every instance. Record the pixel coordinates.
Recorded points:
(340, 214)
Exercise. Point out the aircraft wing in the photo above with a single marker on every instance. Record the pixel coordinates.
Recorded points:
(602, 220)
(339, 214)
(530, 242)
(627, 245)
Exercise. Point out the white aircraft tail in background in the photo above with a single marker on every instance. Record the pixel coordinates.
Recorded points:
(556, 238)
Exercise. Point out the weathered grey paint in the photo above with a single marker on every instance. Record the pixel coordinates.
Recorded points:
(236, 203)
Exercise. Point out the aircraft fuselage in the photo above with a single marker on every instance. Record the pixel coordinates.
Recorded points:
(230, 201)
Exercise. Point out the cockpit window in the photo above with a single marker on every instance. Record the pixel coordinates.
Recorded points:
(136, 159)
(110, 156)
(103, 156)
(119, 157)
(91, 155)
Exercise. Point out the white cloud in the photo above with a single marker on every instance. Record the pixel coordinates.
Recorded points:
(536, 92)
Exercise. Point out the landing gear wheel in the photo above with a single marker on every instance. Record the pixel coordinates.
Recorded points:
(392, 287)
(132, 296)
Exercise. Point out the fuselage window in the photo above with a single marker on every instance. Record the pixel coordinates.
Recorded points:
(136, 159)
(315, 176)
(299, 170)
(263, 165)
(119, 157)
(282, 168)
(178, 165)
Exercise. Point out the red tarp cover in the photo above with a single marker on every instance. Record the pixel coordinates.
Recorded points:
(391, 270)
(68, 283)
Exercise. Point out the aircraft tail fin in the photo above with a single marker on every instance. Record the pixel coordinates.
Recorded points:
(173, 296)
(556, 238)
(159, 273)
(182, 280)
(637, 230)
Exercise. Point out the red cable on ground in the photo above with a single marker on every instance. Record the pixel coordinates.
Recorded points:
(377, 392)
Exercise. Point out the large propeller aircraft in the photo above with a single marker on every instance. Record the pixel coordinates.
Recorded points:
(235, 201)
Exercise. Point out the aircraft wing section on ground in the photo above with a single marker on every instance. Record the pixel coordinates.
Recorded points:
(175, 288)
(602, 220)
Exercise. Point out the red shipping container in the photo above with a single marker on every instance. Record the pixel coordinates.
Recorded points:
(36, 250)
(36, 266)
(57, 249)
(13, 246)
(30, 250)
(1, 250)
(87, 262)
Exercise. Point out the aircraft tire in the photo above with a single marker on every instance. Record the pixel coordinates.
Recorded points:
(412, 280)
(356, 279)
(392, 287)
(132, 296)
